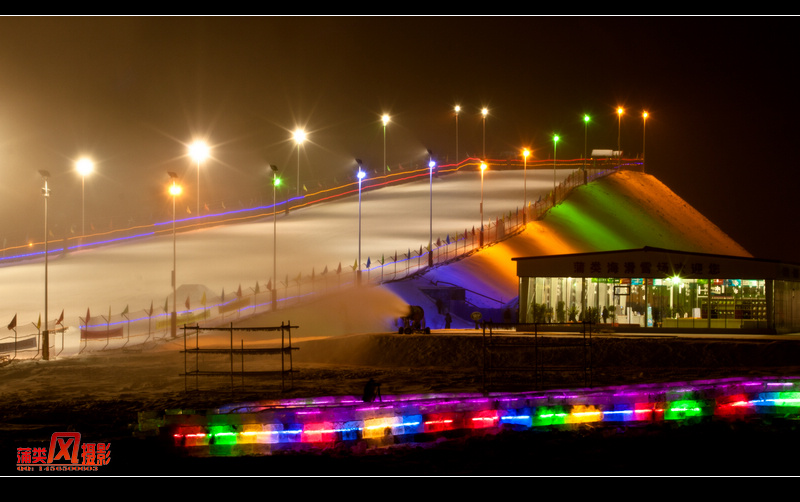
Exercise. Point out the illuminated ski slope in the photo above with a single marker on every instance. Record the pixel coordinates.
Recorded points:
(136, 273)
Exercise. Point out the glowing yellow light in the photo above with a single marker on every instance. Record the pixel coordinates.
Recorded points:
(198, 151)
(175, 190)
(458, 108)
(84, 166)
(299, 136)
(385, 119)
(619, 111)
(644, 115)
(525, 153)
(485, 111)
(483, 166)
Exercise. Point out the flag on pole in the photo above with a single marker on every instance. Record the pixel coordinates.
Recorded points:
(88, 315)
(355, 264)
(269, 285)
(166, 305)
(368, 262)
(187, 304)
(203, 300)
(239, 292)
(223, 295)
(39, 323)
(257, 290)
(61, 317)
(324, 271)
(13, 323)
(339, 270)
(151, 309)
(124, 312)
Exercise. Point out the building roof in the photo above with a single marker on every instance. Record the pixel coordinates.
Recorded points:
(652, 262)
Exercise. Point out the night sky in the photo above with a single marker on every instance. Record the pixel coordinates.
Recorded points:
(133, 92)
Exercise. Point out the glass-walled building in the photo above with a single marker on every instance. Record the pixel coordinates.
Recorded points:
(659, 289)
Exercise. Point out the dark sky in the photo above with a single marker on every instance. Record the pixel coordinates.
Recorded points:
(132, 92)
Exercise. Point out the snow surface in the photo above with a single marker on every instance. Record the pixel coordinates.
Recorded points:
(137, 273)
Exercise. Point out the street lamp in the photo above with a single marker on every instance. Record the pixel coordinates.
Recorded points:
(644, 127)
(45, 334)
(174, 190)
(199, 152)
(483, 168)
(299, 137)
(484, 112)
(275, 182)
(619, 133)
(431, 165)
(385, 120)
(585, 143)
(525, 153)
(458, 109)
(361, 174)
(585, 138)
(84, 167)
(555, 142)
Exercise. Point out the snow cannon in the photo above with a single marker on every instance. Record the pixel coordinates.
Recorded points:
(414, 322)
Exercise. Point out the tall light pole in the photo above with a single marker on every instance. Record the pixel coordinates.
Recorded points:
(299, 138)
(174, 190)
(525, 153)
(199, 152)
(84, 167)
(644, 127)
(275, 182)
(458, 109)
(585, 138)
(619, 133)
(361, 174)
(45, 334)
(431, 165)
(484, 112)
(585, 143)
(483, 168)
(385, 120)
(555, 143)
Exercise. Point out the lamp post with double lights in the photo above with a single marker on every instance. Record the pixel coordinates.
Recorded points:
(361, 174)
(84, 166)
(275, 182)
(46, 333)
(483, 168)
(385, 119)
(431, 165)
(174, 190)
(199, 152)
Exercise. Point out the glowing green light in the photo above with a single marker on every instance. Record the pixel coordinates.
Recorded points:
(586, 118)
(555, 138)
(276, 181)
